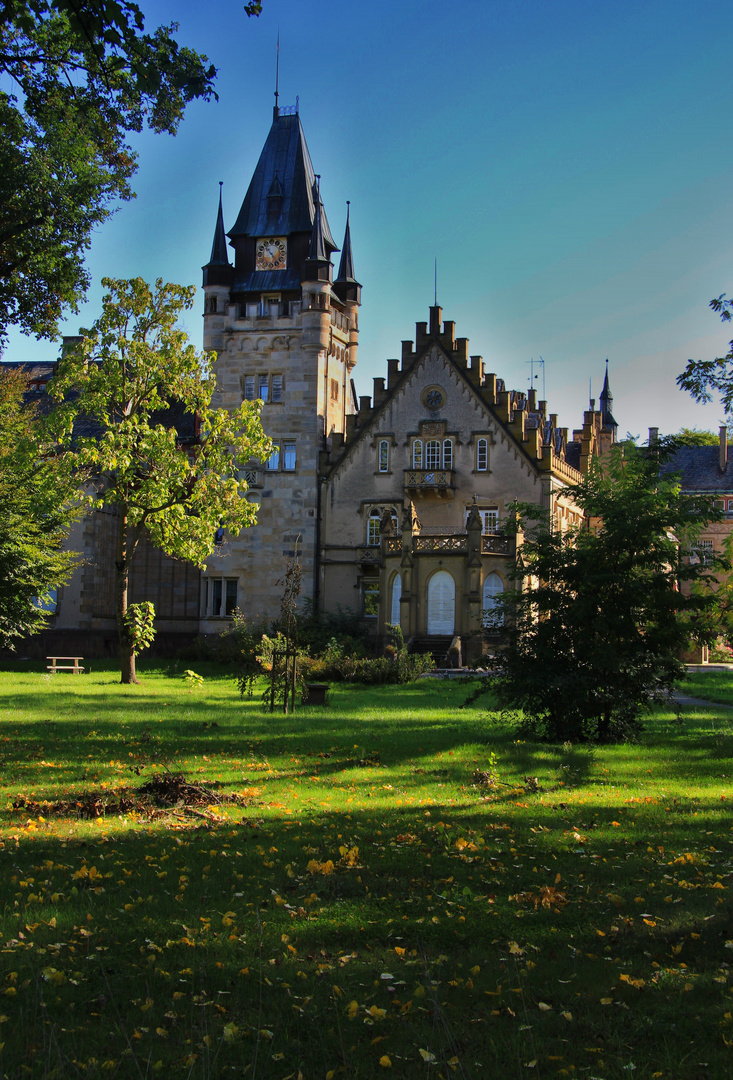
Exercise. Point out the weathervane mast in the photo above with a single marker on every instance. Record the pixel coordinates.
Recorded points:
(277, 73)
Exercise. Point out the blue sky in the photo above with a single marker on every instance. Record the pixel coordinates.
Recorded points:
(567, 163)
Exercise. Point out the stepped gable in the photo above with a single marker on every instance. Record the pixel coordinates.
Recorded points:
(525, 421)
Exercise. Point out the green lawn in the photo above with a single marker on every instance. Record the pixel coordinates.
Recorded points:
(712, 685)
(402, 885)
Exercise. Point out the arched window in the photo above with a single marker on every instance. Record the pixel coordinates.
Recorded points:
(493, 616)
(373, 529)
(417, 454)
(432, 454)
(447, 454)
(482, 455)
(394, 617)
(383, 456)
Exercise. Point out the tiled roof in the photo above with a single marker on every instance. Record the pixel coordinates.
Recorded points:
(699, 469)
(285, 156)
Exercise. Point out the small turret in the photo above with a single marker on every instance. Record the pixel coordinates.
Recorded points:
(318, 266)
(217, 281)
(346, 286)
(606, 403)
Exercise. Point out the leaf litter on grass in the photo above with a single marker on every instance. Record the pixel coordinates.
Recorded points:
(433, 930)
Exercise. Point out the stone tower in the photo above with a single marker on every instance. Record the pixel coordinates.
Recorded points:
(284, 332)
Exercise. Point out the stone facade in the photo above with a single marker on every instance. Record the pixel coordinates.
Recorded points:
(416, 497)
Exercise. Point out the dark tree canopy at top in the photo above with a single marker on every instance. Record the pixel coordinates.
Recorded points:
(87, 74)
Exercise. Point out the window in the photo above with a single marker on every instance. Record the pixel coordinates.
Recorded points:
(702, 552)
(706, 551)
(489, 520)
(288, 456)
(374, 529)
(334, 390)
(383, 456)
(273, 462)
(265, 387)
(220, 597)
(482, 455)
(370, 594)
(396, 596)
(438, 455)
(493, 616)
(432, 454)
(417, 454)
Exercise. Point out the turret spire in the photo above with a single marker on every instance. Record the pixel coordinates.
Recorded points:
(318, 244)
(606, 403)
(219, 255)
(346, 286)
(346, 264)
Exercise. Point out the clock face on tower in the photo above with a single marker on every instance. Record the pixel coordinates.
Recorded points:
(271, 253)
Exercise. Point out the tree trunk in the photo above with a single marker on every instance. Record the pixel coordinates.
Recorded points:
(122, 574)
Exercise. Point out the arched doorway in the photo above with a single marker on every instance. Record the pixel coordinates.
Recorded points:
(441, 603)
(394, 617)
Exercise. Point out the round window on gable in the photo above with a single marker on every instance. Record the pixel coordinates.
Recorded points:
(433, 398)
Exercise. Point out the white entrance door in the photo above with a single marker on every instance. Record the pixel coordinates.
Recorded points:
(441, 603)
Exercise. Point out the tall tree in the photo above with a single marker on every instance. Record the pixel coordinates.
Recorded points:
(130, 376)
(597, 619)
(703, 378)
(38, 501)
(87, 74)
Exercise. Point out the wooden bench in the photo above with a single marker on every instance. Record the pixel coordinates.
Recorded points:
(71, 663)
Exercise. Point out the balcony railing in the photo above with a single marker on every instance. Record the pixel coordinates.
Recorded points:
(450, 543)
(441, 543)
(497, 544)
(369, 554)
(440, 480)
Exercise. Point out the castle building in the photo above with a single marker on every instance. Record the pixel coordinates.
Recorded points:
(395, 501)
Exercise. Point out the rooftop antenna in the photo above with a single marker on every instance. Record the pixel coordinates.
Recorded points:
(590, 392)
(532, 376)
(435, 302)
(277, 73)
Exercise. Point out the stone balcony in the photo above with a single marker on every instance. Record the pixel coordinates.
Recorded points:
(438, 482)
(444, 543)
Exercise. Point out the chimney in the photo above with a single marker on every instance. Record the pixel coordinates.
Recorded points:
(653, 436)
(723, 448)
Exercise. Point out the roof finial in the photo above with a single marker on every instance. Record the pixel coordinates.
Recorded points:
(435, 302)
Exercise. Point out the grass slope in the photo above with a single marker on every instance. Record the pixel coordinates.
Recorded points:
(406, 887)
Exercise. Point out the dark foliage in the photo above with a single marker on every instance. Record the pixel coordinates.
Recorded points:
(597, 620)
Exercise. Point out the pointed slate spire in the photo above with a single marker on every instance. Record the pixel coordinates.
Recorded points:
(318, 245)
(318, 264)
(606, 403)
(219, 254)
(346, 286)
(218, 270)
